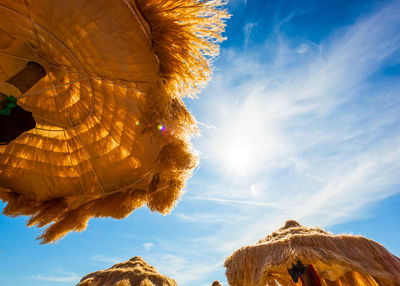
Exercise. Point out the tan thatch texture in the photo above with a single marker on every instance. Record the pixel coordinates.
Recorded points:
(112, 130)
(340, 260)
(134, 272)
(216, 283)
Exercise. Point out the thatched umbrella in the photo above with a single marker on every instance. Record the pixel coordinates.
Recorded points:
(313, 256)
(110, 131)
(134, 272)
(216, 283)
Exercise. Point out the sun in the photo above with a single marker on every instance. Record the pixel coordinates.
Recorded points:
(236, 158)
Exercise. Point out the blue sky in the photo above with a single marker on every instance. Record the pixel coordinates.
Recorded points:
(300, 121)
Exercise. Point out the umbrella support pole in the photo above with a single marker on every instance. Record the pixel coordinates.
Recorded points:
(24, 79)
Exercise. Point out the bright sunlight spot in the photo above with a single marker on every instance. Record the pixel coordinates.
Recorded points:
(237, 157)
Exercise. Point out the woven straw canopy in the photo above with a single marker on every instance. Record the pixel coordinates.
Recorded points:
(112, 132)
(134, 272)
(343, 260)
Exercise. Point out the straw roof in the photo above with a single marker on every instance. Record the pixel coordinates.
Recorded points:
(216, 283)
(134, 272)
(112, 130)
(338, 259)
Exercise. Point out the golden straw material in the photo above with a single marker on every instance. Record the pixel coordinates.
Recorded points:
(216, 283)
(339, 260)
(112, 130)
(134, 272)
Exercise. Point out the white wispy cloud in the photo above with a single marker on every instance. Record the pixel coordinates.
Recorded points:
(302, 48)
(248, 28)
(62, 276)
(244, 202)
(106, 259)
(148, 246)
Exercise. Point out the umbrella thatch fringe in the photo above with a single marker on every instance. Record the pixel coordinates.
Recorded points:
(350, 260)
(173, 167)
(185, 36)
(134, 272)
(166, 178)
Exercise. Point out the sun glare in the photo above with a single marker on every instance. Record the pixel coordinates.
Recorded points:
(237, 158)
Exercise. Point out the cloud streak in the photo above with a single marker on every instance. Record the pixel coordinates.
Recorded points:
(248, 28)
(63, 277)
(106, 259)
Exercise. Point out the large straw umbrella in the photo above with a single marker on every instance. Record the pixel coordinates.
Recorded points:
(330, 260)
(112, 131)
(134, 272)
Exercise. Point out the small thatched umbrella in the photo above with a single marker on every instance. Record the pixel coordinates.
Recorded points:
(108, 131)
(134, 272)
(313, 256)
(216, 283)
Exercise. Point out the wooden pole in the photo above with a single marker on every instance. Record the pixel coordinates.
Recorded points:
(25, 79)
